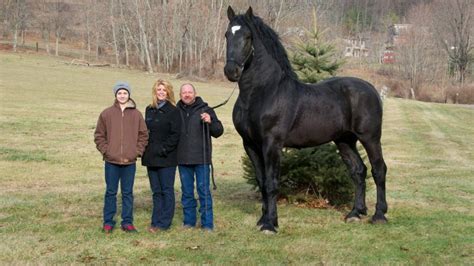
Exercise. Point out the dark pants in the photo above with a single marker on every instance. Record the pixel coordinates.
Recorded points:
(162, 186)
(187, 173)
(125, 175)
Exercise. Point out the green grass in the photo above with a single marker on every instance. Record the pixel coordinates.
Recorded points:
(52, 184)
(19, 155)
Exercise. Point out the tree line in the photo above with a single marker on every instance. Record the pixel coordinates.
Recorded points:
(187, 36)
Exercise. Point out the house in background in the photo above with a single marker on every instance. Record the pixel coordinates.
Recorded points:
(388, 56)
(356, 47)
(396, 35)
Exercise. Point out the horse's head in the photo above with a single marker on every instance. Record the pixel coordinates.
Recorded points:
(239, 43)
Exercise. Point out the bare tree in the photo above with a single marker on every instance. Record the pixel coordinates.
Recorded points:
(114, 33)
(416, 47)
(98, 28)
(4, 12)
(123, 30)
(141, 15)
(44, 22)
(217, 36)
(454, 26)
(86, 28)
(16, 16)
(61, 18)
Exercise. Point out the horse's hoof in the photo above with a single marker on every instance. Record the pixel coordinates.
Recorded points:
(268, 232)
(268, 229)
(376, 219)
(353, 219)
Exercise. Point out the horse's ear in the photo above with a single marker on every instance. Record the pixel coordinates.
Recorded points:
(230, 13)
(249, 12)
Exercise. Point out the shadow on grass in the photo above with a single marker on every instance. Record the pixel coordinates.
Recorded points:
(229, 195)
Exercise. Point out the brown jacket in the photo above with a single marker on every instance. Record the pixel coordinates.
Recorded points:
(121, 137)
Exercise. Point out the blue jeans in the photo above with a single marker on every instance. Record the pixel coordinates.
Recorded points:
(186, 174)
(162, 187)
(125, 174)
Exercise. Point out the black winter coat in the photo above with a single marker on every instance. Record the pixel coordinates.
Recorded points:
(164, 127)
(190, 148)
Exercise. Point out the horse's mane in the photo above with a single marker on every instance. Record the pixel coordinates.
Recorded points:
(271, 42)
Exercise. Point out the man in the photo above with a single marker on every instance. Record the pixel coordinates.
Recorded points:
(199, 123)
(121, 136)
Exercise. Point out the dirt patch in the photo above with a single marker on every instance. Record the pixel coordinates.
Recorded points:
(6, 47)
(308, 203)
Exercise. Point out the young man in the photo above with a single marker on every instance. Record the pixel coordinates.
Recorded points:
(121, 136)
(199, 123)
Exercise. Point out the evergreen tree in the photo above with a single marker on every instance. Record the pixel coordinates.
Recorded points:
(314, 59)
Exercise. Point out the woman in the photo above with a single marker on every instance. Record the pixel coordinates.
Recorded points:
(160, 156)
(120, 136)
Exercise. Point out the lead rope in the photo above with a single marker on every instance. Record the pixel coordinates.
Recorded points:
(205, 137)
(205, 129)
(228, 98)
(236, 83)
(206, 126)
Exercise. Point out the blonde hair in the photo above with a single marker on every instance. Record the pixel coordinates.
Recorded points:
(169, 93)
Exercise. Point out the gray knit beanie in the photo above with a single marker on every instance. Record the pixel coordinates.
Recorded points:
(122, 85)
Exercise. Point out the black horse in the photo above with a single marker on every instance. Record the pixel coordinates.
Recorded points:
(275, 110)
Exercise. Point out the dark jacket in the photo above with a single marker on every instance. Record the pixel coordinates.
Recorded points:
(194, 132)
(121, 136)
(164, 127)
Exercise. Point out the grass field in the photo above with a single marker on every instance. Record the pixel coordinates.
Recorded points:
(52, 184)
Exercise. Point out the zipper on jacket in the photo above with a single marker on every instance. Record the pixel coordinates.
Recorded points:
(121, 137)
(187, 123)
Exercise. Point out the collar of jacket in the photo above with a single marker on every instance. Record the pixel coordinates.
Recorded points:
(197, 104)
(165, 108)
(129, 105)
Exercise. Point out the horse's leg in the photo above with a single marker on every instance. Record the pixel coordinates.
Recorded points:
(358, 171)
(271, 159)
(379, 170)
(257, 161)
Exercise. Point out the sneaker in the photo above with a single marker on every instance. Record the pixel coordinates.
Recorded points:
(129, 228)
(207, 229)
(187, 227)
(107, 229)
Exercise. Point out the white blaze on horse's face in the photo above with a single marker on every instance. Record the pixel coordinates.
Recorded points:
(238, 43)
(234, 29)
